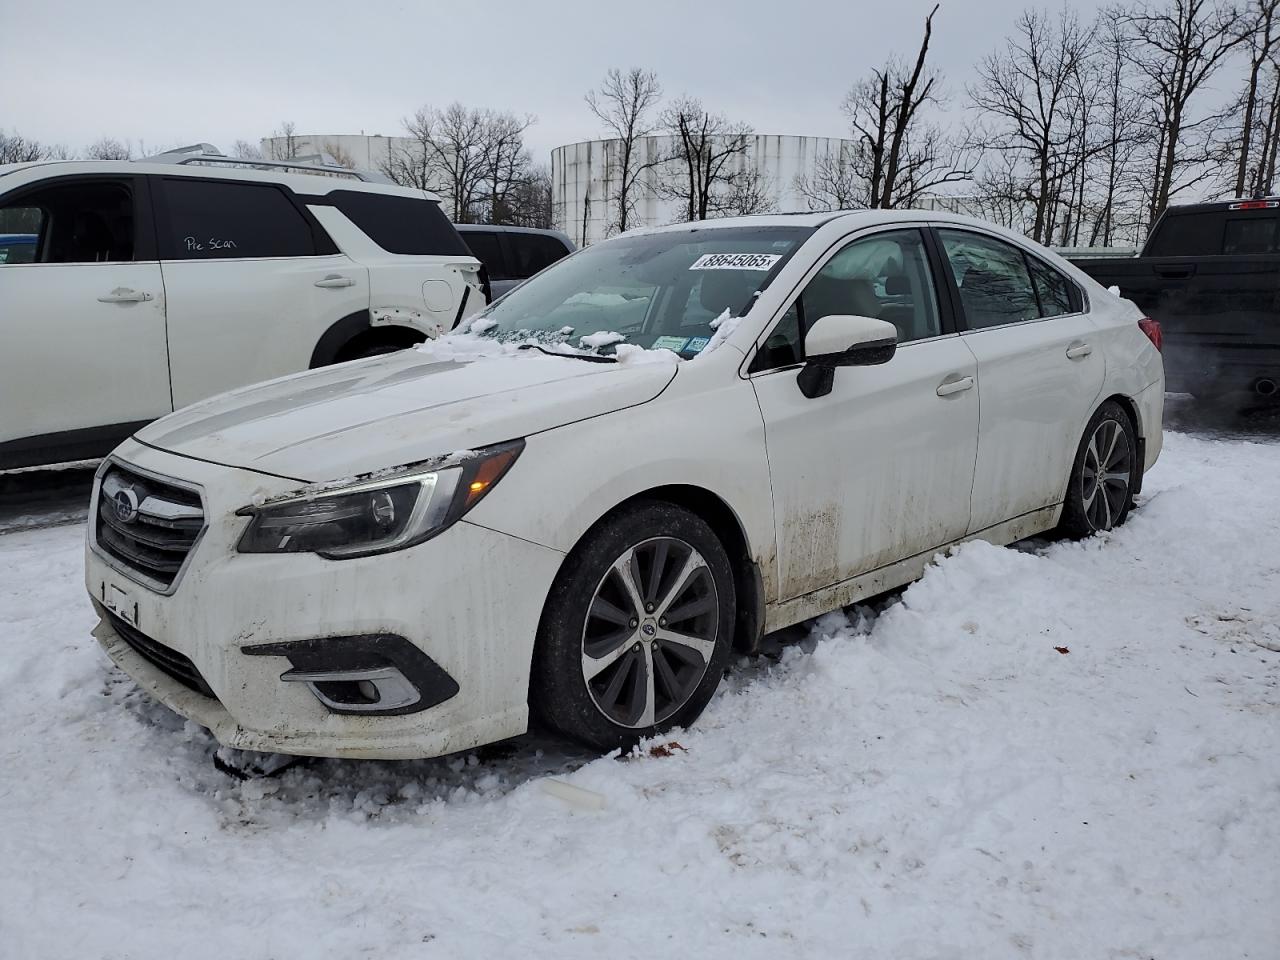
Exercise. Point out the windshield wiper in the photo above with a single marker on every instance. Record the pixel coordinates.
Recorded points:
(589, 357)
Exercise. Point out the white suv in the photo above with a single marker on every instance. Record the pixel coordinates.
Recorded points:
(642, 458)
(143, 287)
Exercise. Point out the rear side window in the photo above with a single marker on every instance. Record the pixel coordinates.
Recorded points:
(486, 248)
(1188, 235)
(1246, 235)
(993, 279)
(211, 220)
(533, 252)
(406, 225)
(1058, 295)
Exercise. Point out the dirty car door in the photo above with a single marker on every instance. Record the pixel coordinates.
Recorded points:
(881, 468)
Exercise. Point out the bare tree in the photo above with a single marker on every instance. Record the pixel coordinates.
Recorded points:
(109, 148)
(1178, 46)
(505, 161)
(1120, 108)
(15, 148)
(245, 150)
(902, 156)
(750, 192)
(285, 144)
(836, 182)
(1026, 93)
(471, 157)
(706, 158)
(624, 105)
(528, 201)
(1260, 28)
(338, 154)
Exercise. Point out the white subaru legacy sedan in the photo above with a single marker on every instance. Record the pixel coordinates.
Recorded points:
(576, 507)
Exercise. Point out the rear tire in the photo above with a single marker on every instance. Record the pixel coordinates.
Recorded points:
(1104, 474)
(378, 342)
(637, 629)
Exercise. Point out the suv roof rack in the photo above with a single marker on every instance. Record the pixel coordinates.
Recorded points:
(207, 155)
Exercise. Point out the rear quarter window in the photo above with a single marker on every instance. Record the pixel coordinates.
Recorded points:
(533, 252)
(405, 225)
(223, 220)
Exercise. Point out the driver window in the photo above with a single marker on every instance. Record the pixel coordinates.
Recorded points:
(87, 222)
(885, 276)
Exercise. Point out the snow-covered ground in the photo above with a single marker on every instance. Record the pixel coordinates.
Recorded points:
(1066, 750)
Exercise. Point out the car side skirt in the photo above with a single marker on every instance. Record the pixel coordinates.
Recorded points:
(902, 572)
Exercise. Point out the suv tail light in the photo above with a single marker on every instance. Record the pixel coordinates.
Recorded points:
(1152, 329)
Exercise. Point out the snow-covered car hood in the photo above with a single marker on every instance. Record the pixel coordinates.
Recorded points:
(401, 408)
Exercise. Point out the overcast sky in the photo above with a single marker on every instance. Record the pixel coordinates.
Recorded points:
(171, 73)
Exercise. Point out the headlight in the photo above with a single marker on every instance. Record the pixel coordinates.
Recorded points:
(377, 515)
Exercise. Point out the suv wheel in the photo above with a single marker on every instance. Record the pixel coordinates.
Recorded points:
(1100, 493)
(637, 629)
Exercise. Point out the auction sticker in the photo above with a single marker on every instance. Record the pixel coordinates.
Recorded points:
(736, 261)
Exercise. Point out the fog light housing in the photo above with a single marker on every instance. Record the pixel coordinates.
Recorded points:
(371, 675)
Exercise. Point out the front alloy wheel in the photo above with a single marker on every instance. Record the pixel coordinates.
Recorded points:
(637, 628)
(650, 632)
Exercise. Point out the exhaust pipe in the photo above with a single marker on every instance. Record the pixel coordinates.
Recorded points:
(1265, 387)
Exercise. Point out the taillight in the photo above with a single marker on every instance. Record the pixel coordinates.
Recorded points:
(1152, 329)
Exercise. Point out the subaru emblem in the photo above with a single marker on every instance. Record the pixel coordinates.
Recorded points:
(125, 503)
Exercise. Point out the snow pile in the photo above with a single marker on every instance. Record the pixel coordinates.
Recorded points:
(471, 344)
(723, 325)
(1060, 751)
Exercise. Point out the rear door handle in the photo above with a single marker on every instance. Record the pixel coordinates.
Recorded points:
(124, 295)
(334, 280)
(1078, 351)
(1176, 273)
(948, 387)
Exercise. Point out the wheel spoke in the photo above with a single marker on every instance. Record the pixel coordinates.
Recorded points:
(692, 608)
(1113, 432)
(646, 712)
(692, 565)
(611, 692)
(1116, 477)
(656, 569)
(701, 646)
(592, 667)
(667, 676)
(625, 570)
(605, 610)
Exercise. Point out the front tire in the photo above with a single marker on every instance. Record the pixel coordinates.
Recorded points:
(1105, 472)
(637, 630)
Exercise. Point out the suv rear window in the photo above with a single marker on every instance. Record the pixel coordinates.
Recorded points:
(533, 252)
(216, 220)
(405, 225)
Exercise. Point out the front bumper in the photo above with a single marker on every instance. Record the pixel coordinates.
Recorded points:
(469, 599)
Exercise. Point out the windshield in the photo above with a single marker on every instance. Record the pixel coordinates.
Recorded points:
(658, 291)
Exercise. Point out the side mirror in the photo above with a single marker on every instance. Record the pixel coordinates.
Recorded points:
(843, 341)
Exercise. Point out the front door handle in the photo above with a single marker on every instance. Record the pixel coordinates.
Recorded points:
(959, 385)
(1078, 351)
(124, 295)
(333, 280)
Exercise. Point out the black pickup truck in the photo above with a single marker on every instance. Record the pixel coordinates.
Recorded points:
(1210, 274)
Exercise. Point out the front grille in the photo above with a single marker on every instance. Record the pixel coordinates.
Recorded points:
(165, 659)
(147, 524)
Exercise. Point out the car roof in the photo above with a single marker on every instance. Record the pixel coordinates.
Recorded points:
(850, 218)
(319, 182)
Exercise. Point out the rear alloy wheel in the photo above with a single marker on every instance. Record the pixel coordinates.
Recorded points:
(637, 630)
(1101, 491)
